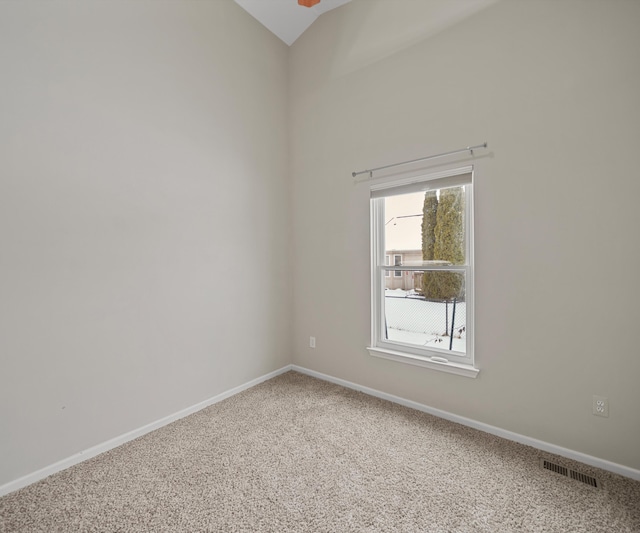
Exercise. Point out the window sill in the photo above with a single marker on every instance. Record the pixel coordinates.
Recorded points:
(402, 357)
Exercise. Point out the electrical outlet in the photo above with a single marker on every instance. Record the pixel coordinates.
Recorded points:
(600, 406)
(312, 342)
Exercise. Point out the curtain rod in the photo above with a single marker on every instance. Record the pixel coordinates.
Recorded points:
(467, 149)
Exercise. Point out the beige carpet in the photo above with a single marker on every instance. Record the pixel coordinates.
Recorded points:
(299, 454)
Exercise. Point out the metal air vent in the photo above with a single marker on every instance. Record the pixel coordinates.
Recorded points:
(573, 474)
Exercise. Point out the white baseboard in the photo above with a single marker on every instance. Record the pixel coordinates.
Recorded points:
(493, 430)
(117, 441)
(126, 437)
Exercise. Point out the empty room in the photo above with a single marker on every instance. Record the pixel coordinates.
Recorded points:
(319, 266)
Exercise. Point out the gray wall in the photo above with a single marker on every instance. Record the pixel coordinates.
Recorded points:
(144, 154)
(143, 172)
(553, 87)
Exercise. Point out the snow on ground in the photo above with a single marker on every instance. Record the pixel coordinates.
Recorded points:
(413, 320)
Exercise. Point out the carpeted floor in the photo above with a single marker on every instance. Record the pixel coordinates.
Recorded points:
(299, 454)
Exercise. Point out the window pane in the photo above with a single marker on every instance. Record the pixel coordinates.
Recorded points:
(426, 226)
(397, 261)
(422, 317)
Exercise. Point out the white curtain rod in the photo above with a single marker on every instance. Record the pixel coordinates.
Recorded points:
(467, 149)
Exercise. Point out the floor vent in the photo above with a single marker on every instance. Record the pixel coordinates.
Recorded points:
(573, 474)
(583, 478)
(547, 465)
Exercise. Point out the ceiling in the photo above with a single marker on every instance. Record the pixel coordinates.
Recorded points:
(285, 18)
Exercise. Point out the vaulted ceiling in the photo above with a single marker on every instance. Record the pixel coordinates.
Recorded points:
(287, 18)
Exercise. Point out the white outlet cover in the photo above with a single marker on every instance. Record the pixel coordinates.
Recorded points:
(600, 406)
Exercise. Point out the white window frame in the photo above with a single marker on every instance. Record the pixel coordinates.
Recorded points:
(433, 358)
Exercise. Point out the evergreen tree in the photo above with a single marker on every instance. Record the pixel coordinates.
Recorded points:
(449, 234)
(448, 246)
(429, 210)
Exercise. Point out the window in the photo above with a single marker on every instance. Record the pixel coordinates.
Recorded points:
(397, 261)
(427, 319)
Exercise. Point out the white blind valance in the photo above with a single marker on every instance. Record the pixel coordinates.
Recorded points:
(417, 184)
